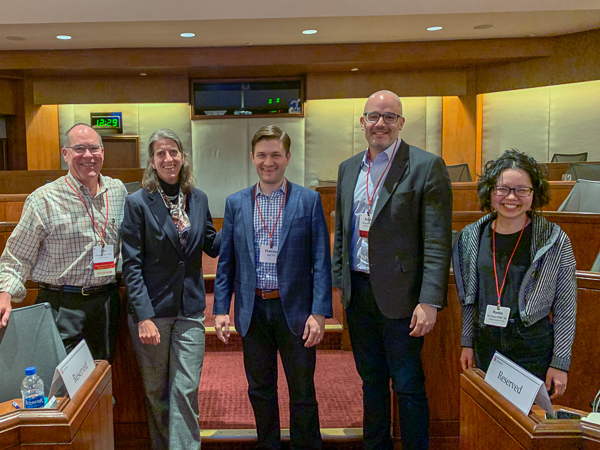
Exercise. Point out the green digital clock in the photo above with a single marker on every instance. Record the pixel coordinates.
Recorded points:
(105, 121)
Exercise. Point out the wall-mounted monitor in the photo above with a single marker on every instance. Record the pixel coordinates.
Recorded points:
(107, 122)
(247, 98)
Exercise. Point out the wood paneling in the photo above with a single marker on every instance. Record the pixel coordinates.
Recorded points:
(363, 84)
(121, 151)
(459, 131)
(11, 206)
(26, 181)
(8, 97)
(43, 142)
(111, 90)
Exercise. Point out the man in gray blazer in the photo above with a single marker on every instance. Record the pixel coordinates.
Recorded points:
(391, 261)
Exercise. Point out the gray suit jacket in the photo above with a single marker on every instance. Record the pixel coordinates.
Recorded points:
(410, 239)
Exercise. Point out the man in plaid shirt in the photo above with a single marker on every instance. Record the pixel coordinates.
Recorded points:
(68, 241)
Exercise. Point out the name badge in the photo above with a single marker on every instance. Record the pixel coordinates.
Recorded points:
(104, 261)
(497, 317)
(364, 224)
(268, 254)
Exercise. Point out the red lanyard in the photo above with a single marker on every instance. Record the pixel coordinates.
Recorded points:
(370, 199)
(101, 234)
(499, 291)
(278, 214)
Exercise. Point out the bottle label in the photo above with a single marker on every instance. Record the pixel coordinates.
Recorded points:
(34, 401)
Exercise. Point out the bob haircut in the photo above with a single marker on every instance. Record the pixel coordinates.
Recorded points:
(513, 159)
(272, 132)
(186, 177)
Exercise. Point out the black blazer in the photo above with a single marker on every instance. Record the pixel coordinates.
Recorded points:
(410, 239)
(160, 276)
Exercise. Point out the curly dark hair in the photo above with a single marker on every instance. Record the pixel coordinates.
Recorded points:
(513, 159)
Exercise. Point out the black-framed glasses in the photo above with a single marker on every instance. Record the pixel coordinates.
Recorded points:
(80, 149)
(388, 117)
(519, 191)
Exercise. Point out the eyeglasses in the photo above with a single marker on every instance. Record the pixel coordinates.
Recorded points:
(388, 117)
(80, 149)
(519, 191)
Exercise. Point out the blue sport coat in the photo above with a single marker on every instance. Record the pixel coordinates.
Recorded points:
(161, 277)
(303, 259)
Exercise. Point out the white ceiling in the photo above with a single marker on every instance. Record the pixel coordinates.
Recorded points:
(158, 23)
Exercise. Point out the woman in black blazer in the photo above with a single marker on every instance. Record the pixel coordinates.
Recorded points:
(166, 227)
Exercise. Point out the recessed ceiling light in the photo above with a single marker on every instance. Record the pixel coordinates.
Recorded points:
(483, 27)
(143, 74)
(63, 37)
(309, 32)
(187, 35)
(15, 38)
(354, 69)
(434, 28)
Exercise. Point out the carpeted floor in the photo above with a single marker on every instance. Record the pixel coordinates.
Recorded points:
(223, 395)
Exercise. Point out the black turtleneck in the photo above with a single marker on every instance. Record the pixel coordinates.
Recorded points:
(171, 190)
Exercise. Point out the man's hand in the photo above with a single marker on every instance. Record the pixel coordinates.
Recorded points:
(423, 319)
(466, 358)
(559, 379)
(148, 332)
(314, 329)
(5, 308)
(222, 327)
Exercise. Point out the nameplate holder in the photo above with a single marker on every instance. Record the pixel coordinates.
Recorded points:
(517, 385)
(73, 370)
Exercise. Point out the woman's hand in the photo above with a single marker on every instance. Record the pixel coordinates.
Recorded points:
(148, 332)
(558, 378)
(466, 358)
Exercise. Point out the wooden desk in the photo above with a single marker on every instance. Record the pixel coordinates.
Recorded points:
(488, 421)
(83, 422)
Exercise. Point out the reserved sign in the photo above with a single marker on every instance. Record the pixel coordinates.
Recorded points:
(73, 370)
(517, 385)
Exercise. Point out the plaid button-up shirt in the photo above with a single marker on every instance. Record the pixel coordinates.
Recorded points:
(266, 273)
(54, 240)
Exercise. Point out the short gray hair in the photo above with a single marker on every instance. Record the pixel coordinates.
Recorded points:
(67, 137)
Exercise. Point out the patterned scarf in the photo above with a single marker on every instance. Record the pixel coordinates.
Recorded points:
(177, 211)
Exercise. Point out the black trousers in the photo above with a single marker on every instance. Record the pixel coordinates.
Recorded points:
(91, 317)
(267, 334)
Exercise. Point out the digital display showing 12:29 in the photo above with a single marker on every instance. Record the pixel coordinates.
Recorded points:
(111, 122)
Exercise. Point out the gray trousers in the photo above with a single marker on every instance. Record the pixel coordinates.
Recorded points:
(171, 376)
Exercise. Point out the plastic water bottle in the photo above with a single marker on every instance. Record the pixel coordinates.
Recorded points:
(32, 389)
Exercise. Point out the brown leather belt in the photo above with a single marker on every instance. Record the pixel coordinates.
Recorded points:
(267, 294)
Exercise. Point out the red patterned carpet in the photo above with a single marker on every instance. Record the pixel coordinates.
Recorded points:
(223, 394)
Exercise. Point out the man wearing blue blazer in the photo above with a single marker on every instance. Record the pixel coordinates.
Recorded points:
(275, 257)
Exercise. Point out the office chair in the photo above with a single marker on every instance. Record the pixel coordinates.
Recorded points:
(569, 157)
(584, 171)
(30, 339)
(459, 172)
(132, 187)
(584, 197)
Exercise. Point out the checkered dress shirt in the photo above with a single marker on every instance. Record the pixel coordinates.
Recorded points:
(54, 240)
(266, 273)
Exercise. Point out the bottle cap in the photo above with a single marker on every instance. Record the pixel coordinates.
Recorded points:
(30, 371)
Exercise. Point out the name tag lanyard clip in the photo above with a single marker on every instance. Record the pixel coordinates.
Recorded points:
(499, 290)
(270, 232)
(100, 234)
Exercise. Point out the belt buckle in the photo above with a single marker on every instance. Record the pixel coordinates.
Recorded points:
(83, 293)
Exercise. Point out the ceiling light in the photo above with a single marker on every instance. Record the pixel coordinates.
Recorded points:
(63, 37)
(15, 38)
(143, 74)
(187, 35)
(482, 27)
(354, 69)
(309, 32)
(434, 28)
